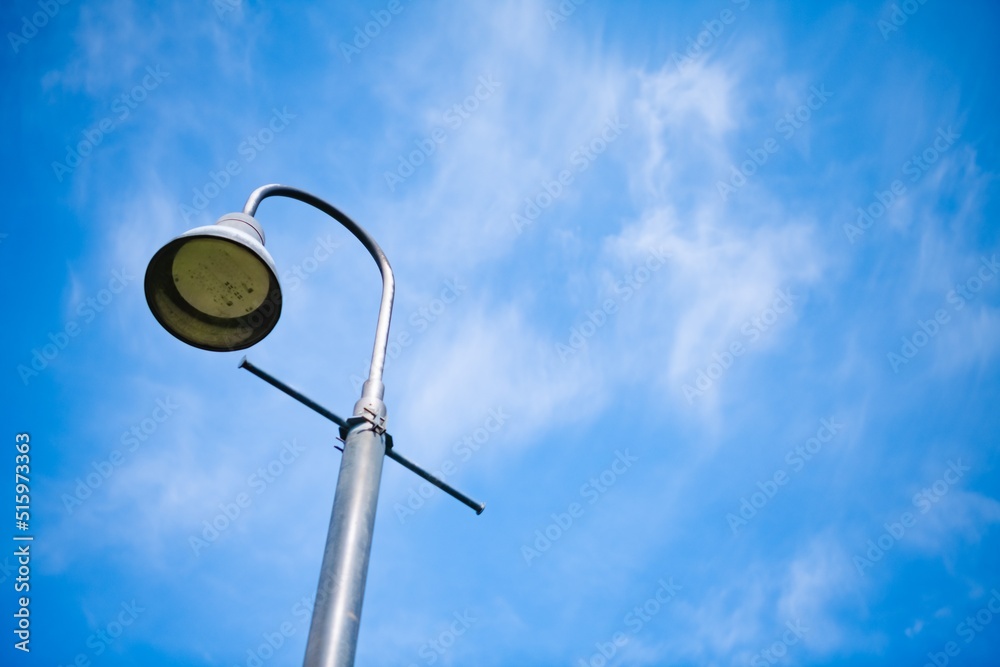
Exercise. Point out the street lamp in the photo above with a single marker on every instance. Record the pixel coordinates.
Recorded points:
(216, 288)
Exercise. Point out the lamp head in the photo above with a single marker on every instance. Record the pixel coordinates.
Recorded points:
(216, 287)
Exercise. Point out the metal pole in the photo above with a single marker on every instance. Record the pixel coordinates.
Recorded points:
(373, 386)
(333, 634)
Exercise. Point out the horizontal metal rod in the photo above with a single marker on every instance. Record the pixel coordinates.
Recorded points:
(444, 486)
(390, 451)
(297, 395)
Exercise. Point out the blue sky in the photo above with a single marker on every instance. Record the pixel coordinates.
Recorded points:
(702, 299)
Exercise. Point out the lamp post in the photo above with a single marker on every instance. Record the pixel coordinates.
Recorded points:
(216, 288)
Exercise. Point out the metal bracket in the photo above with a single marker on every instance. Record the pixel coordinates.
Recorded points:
(351, 422)
(377, 420)
(374, 417)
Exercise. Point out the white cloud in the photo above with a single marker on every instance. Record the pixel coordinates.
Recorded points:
(490, 359)
(816, 583)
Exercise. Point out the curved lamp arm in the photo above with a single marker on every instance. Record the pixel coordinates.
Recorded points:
(373, 387)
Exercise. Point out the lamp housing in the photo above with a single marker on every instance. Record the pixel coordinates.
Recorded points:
(216, 287)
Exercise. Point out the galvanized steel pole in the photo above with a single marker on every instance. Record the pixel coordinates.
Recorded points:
(333, 633)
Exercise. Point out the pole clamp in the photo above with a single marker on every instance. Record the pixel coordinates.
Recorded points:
(369, 409)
